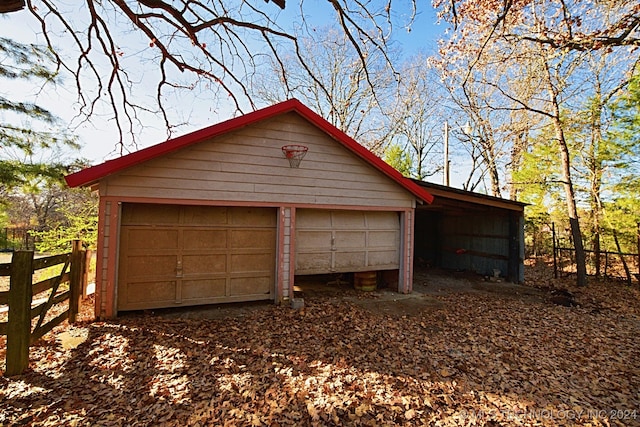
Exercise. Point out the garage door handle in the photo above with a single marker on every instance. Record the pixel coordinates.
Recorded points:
(179, 269)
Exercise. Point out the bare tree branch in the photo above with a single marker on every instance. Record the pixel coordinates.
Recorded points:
(7, 6)
(113, 48)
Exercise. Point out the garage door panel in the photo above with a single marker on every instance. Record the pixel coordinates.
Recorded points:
(384, 239)
(313, 219)
(204, 264)
(188, 255)
(204, 239)
(390, 257)
(151, 265)
(205, 215)
(383, 220)
(248, 262)
(257, 239)
(254, 285)
(147, 291)
(252, 217)
(349, 260)
(155, 238)
(202, 289)
(313, 239)
(150, 214)
(313, 263)
(348, 220)
(350, 239)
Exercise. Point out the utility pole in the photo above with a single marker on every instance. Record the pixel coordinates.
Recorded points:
(445, 178)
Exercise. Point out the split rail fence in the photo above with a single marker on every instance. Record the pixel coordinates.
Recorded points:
(69, 286)
(614, 264)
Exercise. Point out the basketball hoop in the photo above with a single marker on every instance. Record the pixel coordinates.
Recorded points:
(295, 154)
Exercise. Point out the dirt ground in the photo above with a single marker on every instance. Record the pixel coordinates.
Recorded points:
(427, 286)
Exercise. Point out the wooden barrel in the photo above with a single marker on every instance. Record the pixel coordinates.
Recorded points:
(366, 281)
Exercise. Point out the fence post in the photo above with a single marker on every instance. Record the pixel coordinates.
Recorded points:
(75, 278)
(19, 324)
(555, 250)
(85, 272)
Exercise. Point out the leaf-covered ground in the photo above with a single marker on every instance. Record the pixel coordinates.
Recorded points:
(471, 358)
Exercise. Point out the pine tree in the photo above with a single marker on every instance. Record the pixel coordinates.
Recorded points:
(27, 128)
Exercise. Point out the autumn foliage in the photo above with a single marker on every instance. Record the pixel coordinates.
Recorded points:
(481, 356)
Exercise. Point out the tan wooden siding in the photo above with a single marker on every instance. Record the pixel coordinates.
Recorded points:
(103, 275)
(287, 292)
(346, 241)
(173, 255)
(248, 165)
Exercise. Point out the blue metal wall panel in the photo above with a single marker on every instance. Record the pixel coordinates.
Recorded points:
(478, 243)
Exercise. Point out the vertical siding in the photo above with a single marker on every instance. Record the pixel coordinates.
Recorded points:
(478, 243)
(520, 237)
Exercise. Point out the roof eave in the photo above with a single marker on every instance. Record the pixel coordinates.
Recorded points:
(93, 174)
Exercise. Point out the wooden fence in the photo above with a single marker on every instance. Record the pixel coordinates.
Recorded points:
(19, 298)
(615, 264)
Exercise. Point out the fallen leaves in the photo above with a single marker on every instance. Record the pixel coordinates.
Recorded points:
(473, 359)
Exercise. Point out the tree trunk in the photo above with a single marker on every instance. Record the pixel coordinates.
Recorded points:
(495, 178)
(565, 158)
(595, 176)
(517, 150)
(572, 210)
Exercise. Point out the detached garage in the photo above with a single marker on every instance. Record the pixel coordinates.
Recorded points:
(234, 211)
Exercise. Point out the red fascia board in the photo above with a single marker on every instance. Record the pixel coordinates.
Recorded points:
(94, 173)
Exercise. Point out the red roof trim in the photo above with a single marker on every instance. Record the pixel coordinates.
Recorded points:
(94, 173)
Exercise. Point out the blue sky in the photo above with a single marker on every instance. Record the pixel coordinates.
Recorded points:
(98, 138)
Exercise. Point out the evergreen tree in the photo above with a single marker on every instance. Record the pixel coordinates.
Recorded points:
(26, 128)
(32, 138)
(622, 210)
(397, 157)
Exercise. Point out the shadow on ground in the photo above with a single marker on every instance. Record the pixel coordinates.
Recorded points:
(428, 285)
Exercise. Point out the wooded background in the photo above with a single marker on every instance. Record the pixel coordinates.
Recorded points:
(539, 98)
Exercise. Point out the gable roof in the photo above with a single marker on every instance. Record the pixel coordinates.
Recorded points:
(95, 173)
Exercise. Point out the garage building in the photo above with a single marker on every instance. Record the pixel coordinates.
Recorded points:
(220, 215)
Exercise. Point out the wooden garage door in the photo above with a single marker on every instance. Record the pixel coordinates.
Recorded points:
(346, 241)
(174, 255)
